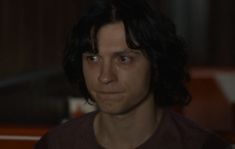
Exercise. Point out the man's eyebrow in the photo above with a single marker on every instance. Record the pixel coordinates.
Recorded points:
(117, 53)
(127, 52)
(90, 52)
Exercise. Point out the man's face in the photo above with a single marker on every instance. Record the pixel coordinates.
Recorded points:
(118, 78)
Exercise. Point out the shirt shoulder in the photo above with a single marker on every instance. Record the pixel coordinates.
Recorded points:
(194, 136)
(75, 132)
(176, 131)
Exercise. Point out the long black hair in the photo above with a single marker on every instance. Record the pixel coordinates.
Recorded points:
(146, 29)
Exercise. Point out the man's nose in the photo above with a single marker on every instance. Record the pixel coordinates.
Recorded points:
(107, 73)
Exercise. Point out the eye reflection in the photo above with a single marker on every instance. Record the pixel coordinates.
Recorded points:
(92, 58)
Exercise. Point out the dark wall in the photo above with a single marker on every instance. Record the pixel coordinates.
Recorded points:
(32, 33)
(209, 28)
(33, 88)
(222, 32)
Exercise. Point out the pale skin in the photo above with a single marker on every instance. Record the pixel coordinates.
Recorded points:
(118, 79)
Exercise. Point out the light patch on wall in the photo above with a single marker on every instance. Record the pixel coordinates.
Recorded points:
(226, 81)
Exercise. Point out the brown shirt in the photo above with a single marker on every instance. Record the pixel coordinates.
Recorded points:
(174, 132)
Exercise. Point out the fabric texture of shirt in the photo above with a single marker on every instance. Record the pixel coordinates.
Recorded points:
(174, 132)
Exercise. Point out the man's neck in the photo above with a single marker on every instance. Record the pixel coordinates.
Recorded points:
(128, 130)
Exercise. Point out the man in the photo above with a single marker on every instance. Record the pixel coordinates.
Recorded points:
(126, 58)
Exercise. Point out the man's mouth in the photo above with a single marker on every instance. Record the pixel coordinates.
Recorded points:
(108, 94)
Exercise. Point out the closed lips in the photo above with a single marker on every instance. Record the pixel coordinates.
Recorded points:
(109, 92)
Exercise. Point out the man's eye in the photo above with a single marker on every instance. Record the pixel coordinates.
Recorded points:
(93, 58)
(125, 59)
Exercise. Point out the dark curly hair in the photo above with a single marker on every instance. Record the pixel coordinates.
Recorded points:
(145, 28)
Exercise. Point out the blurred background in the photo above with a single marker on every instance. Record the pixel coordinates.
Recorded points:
(35, 95)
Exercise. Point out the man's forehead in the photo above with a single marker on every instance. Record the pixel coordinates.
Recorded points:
(116, 52)
(112, 38)
(107, 35)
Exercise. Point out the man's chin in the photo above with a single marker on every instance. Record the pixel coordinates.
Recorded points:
(110, 111)
(114, 111)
